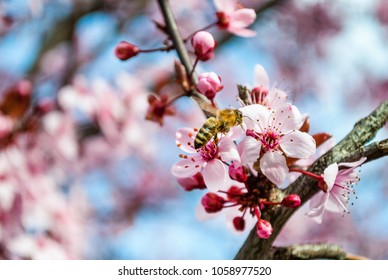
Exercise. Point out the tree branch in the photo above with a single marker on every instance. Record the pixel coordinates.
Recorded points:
(309, 252)
(363, 131)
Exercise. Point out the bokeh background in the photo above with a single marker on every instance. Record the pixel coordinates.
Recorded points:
(83, 175)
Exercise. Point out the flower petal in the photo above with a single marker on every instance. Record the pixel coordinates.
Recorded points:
(285, 118)
(249, 149)
(242, 32)
(256, 117)
(317, 206)
(261, 77)
(226, 6)
(329, 175)
(298, 144)
(241, 18)
(353, 164)
(274, 167)
(276, 98)
(337, 201)
(184, 139)
(215, 175)
(227, 150)
(187, 167)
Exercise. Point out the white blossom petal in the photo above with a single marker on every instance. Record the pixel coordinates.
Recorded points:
(276, 98)
(337, 201)
(298, 144)
(285, 118)
(353, 164)
(215, 175)
(261, 77)
(187, 167)
(249, 149)
(274, 167)
(330, 175)
(256, 116)
(184, 138)
(317, 206)
(227, 150)
(241, 18)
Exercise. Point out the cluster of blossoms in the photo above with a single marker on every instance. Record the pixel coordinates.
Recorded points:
(242, 168)
(244, 157)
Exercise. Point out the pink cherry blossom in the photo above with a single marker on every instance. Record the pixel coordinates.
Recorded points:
(263, 93)
(209, 160)
(274, 135)
(203, 43)
(234, 19)
(209, 83)
(338, 187)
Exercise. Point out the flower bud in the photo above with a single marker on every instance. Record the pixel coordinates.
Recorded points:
(209, 84)
(203, 44)
(239, 223)
(291, 201)
(234, 193)
(263, 229)
(125, 50)
(192, 183)
(237, 172)
(159, 107)
(212, 202)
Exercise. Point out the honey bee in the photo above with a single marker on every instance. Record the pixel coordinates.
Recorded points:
(221, 123)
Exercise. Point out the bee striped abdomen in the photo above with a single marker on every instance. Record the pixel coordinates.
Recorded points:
(207, 131)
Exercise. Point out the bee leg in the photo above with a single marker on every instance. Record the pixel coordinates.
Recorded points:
(216, 139)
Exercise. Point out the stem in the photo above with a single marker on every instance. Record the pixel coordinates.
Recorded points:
(304, 172)
(176, 38)
(176, 97)
(162, 49)
(192, 70)
(202, 29)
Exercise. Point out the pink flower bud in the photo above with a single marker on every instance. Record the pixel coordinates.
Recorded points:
(263, 229)
(209, 84)
(203, 44)
(291, 201)
(237, 172)
(192, 183)
(212, 202)
(159, 107)
(125, 50)
(239, 223)
(234, 193)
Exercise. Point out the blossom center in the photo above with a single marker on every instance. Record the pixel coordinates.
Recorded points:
(223, 20)
(209, 151)
(270, 140)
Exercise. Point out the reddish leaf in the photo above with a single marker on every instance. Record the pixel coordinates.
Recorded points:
(306, 125)
(320, 138)
(16, 100)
